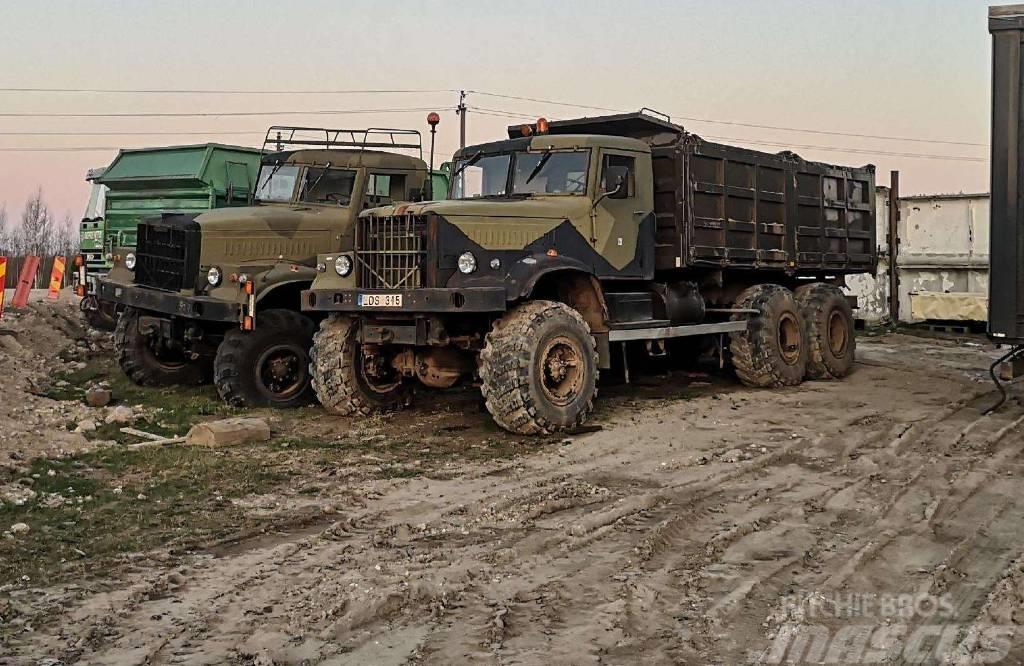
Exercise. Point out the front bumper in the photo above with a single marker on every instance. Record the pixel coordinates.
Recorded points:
(414, 301)
(153, 300)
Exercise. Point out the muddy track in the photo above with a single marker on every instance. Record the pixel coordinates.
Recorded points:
(676, 534)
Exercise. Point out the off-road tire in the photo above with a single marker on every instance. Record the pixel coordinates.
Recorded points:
(759, 355)
(141, 364)
(236, 371)
(338, 385)
(511, 369)
(831, 341)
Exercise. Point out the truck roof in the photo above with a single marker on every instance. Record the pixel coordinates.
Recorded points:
(557, 141)
(638, 125)
(347, 157)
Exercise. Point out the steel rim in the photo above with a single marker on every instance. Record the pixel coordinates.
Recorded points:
(789, 338)
(281, 371)
(376, 373)
(838, 336)
(562, 371)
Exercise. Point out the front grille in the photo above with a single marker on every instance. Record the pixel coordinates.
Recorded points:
(390, 251)
(167, 253)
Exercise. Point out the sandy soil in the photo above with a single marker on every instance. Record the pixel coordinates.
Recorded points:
(682, 532)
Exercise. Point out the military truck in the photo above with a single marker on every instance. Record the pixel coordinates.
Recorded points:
(216, 294)
(571, 240)
(142, 182)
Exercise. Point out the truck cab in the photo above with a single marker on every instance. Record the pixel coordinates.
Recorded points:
(216, 294)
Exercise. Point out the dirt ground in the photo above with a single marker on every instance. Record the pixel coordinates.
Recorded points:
(704, 522)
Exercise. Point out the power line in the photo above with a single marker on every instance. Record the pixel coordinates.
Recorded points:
(222, 113)
(197, 91)
(503, 113)
(211, 133)
(737, 123)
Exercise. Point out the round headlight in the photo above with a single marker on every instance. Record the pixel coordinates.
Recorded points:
(343, 265)
(129, 261)
(214, 276)
(467, 262)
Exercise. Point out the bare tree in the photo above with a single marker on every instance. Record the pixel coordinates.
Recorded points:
(37, 227)
(64, 238)
(5, 238)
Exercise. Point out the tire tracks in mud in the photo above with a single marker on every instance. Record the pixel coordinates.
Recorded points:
(594, 555)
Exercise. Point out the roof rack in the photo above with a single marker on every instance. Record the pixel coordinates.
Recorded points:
(280, 137)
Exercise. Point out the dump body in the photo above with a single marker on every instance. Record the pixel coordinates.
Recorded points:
(146, 182)
(1006, 278)
(722, 206)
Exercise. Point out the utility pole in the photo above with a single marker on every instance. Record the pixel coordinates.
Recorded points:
(461, 111)
(893, 240)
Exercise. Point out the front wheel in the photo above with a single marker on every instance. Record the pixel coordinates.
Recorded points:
(148, 360)
(539, 369)
(349, 378)
(269, 366)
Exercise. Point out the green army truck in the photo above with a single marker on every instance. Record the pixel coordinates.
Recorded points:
(569, 242)
(216, 294)
(143, 182)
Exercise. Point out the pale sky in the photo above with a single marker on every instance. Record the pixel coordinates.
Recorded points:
(895, 68)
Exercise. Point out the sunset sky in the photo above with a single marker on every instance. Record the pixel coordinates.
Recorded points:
(895, 68)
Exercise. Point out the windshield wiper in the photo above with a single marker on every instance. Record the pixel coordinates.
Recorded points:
(540, 165)
(277, 166)
(316, 182)
(468, 163)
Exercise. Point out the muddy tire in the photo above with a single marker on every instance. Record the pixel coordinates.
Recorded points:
(772, 352)
(268, 366)
(146, 364)
(539, 369)
(828, 320)
(340, 380)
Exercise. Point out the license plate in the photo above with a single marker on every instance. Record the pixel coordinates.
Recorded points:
(380, 300)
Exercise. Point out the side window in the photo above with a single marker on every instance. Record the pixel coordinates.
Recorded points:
(617, 169)
(385, 188)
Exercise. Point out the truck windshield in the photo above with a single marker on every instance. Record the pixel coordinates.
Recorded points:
(548, 172)
(276, 183)
(551, 173)
(328, 186)
(481, 176)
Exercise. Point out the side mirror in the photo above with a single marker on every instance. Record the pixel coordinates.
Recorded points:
(617, 177)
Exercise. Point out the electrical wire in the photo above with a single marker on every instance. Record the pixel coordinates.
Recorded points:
(208, 114)
(196, 91)
(733, 122)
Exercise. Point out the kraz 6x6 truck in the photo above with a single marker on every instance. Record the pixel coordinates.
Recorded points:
(216, 294)
(570, 240)
(143, 182)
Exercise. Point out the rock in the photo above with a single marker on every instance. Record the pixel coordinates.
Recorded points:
(20, 528)
(98, 396)
(120, 414)
(733, 456)
(86, 425)
(228, 432)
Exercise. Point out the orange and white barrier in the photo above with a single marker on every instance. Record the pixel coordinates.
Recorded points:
(3, 283)
(26, 278)
(56, 278)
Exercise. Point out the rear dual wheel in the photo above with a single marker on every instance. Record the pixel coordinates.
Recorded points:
(772, 350)
(828, 319)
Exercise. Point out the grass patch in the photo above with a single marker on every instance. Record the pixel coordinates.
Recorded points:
(95, 508)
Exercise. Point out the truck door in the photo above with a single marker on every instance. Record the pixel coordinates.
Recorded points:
(623, 222)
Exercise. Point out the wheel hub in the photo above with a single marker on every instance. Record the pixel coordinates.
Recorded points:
(789, 338)
(837, 335)
(562, 370)
(281, 371)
